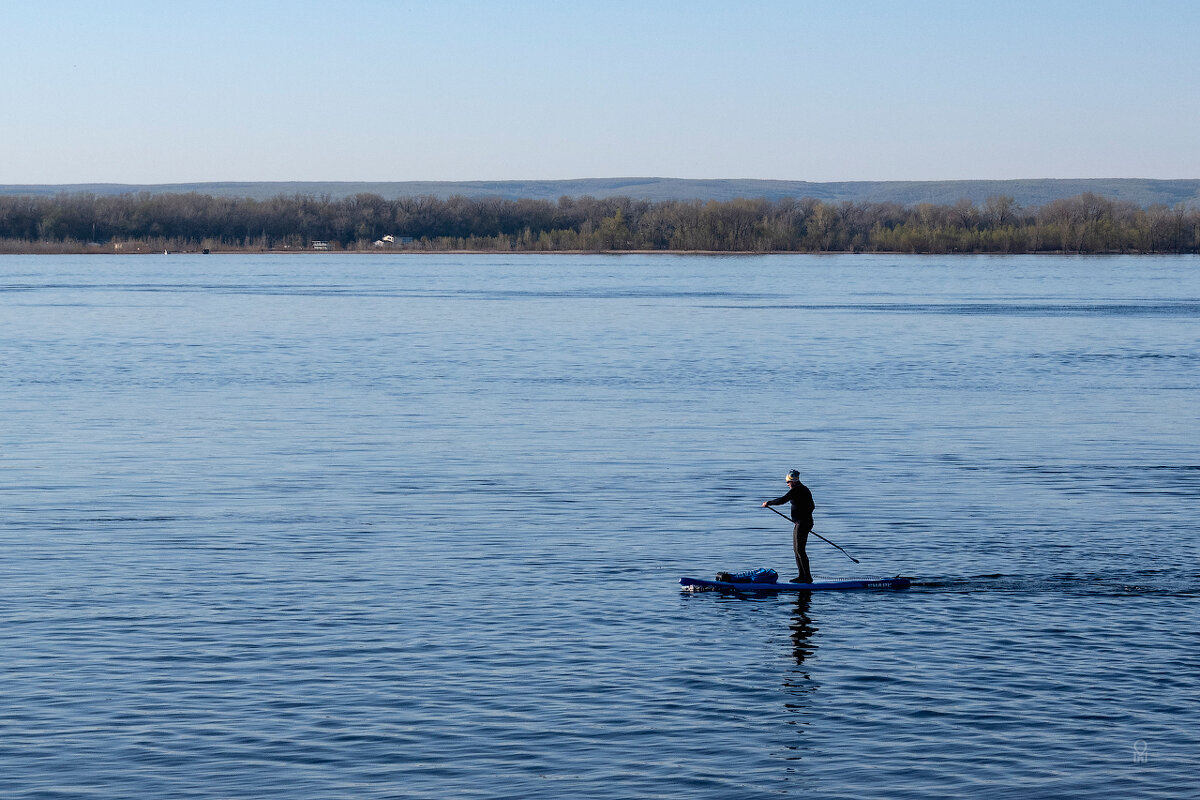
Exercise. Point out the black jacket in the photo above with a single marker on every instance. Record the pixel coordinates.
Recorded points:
(802, 502)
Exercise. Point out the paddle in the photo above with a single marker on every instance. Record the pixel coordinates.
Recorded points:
(819, 536)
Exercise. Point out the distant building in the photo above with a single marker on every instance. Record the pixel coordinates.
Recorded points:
(392, 241)
(317, 244)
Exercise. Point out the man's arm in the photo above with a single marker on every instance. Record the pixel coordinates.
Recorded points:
(778, 501)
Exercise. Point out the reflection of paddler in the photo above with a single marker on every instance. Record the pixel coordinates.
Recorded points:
(802, 521)
(802, 628)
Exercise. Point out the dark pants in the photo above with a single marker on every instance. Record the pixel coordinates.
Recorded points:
(799, 539)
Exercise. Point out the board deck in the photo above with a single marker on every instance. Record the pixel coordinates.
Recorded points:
(868, 583)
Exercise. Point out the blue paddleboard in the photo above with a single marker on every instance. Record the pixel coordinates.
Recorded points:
(870, 583)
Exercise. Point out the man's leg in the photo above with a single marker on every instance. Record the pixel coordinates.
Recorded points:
(799, 540)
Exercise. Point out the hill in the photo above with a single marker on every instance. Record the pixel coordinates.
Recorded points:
(1028, 193)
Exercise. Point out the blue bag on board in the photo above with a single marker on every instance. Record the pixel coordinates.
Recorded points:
(749, 576)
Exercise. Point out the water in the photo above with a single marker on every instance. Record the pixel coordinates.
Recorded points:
(390, 527)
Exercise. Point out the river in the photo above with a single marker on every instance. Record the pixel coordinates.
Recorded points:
(338, 526)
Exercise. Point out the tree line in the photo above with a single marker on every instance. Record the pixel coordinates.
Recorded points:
(1086, 223)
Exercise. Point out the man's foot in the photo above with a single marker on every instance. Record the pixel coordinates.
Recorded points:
(801, 579)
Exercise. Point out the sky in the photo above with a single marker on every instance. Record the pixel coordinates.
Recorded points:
(134, 91)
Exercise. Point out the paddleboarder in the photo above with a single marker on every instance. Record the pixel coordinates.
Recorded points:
(802, 521)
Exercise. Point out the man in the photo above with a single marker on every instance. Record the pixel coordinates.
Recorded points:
(802, 510)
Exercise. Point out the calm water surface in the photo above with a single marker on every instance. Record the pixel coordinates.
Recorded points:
(408, 527)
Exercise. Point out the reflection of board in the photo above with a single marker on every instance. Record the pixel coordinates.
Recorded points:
(870, 583)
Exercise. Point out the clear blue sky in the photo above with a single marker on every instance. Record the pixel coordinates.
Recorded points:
(140, 91)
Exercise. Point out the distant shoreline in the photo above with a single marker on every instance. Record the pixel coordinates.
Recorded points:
(86, 223)
(100, 252)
